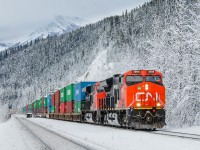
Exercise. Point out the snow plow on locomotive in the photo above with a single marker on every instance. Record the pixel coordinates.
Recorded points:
(135, 99)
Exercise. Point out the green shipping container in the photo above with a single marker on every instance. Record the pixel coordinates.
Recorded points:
(36, 104)
(70, 92)
(78, 105)
(45, 101)
(40, 103)
(63, 95)
(53, 109)
(30, 106)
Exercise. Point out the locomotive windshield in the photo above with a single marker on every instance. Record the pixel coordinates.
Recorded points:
(155, 79)
(130, 80)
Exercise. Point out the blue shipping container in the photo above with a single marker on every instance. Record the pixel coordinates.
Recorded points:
(49, 103)
(49, 109)
(78, 94)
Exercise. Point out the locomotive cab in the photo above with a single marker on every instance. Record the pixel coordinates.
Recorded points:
(134, 99)
(143, 93)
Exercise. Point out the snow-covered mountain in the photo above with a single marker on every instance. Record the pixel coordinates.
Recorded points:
(5, 45)
(59, 25)
(161, 35)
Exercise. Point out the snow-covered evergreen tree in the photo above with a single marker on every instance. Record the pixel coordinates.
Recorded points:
(162, 35)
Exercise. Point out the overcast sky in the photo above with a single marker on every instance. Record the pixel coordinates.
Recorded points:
(18, 17)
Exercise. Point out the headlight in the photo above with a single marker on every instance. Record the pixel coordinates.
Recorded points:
(151, 71)
(138, 104)
(146, 87)
(158, 104)
(136, 71)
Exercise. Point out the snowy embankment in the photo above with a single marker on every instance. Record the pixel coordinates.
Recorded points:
(4, 111)
(118, 139)
(14, 136)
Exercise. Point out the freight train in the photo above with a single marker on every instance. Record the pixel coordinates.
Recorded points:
(135, 99)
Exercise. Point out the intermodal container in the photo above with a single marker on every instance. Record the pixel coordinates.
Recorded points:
(41, 102)
(78, 105)
(57, 108)
(78, 94)
(41, 110)
(62, 108)
(26, 108)
(53, 99)
(51, 109)
(36, 104)
(33, 107)
(69, 107)
(45, 109)
(70, 92)
(45, 102)
(57, 101)
(63, 95)
(49, 100)
(30, 107)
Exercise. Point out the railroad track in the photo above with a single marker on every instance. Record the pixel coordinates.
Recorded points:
(43, 145)
(50, 140)
(159, 132)
(177, 134)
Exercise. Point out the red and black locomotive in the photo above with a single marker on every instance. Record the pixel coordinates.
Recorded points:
(133, 99)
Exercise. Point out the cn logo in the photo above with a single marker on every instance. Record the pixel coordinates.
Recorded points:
(142, 96)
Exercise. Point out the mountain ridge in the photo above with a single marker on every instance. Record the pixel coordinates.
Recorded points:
(58, 26)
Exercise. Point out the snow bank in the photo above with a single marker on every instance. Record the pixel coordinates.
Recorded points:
(114, 138)
(4, 111)
(197, 119)
(13, 136)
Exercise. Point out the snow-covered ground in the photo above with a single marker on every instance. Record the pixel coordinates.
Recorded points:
(118, 139)
(4, 111)
(191, 130)
(13, 136)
